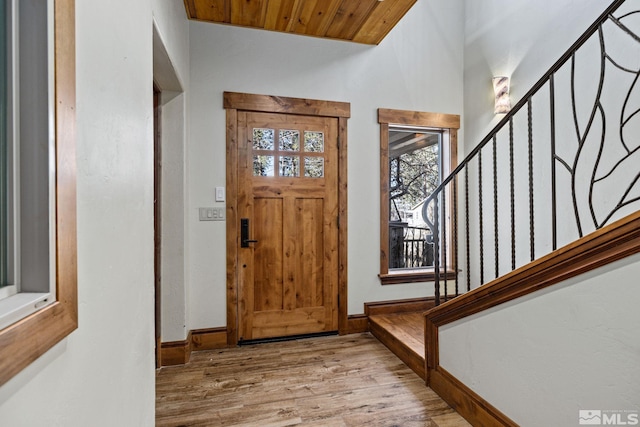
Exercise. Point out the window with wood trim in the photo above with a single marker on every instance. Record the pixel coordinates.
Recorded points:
(27, 228)
(417, 150)
(38, 303)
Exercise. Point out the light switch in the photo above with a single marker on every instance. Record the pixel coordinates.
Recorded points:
(219, 194)
(211, 214)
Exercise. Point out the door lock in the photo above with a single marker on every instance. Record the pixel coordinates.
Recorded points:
(244, 233)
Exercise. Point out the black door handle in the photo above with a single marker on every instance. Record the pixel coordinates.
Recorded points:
(244, 233)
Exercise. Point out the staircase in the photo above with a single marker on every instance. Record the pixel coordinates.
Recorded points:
(550, 193)
(400, 326)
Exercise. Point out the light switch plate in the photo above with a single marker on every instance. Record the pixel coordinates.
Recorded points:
(211, 214)
(219, 194)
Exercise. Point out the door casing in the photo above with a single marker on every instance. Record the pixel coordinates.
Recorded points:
(234, 102)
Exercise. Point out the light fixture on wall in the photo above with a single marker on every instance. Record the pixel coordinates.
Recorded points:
(501, 91)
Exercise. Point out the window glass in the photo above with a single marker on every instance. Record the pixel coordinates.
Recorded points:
(263, 166)
(4, 185)
(27, 176)
(290, 166)
(263, 139)
(313, 142)
(289, 140)
(278, 153)
(314, 167)
(414, 172)
(34, 148)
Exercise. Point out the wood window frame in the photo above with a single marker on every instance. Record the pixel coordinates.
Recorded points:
(450, 123)
(24, 341)
(234, 102)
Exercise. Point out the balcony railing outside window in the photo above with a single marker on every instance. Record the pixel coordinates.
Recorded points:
(410, 247)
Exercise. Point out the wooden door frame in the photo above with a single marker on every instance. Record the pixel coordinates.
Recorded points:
(234, 102)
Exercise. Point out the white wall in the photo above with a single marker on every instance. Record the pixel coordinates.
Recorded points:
(521, 39)
(171, 74)
(103, 373)
(418, 66)
(541, 358)
(174, 274)
(171, 21)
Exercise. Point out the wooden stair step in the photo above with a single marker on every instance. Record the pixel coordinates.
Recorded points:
(403, 334)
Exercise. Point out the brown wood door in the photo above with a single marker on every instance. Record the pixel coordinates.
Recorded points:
(288, 195)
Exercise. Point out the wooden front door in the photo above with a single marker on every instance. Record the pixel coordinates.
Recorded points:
(288, 231)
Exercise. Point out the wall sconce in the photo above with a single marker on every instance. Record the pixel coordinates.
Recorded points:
(501, 91)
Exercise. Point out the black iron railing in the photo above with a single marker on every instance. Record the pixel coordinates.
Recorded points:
(564, 162)
(410, 247)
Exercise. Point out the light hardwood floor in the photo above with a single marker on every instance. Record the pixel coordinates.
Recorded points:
(351, 380)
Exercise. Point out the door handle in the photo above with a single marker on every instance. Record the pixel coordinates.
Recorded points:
(244, 233)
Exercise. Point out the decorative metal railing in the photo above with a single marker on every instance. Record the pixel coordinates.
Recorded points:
(410, 247)
(564, 162)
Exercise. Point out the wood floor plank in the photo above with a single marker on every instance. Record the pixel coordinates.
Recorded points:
(344, 381)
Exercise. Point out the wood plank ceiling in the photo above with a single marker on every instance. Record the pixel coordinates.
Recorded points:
(360, 21)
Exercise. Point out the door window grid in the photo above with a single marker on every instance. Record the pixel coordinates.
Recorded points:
(286, 151)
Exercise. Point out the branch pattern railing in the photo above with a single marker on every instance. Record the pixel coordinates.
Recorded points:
(566, 157)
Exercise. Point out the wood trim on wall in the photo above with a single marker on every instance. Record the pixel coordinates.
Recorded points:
(384, 198)
(357, 323)
(176, 352)
(399, 306)
(208, 339)
(417, 276)
(179, 352)
(418, 118)
(343, 323)
(26, 340)
(459, 396)
(234, 102)
(281, 104)
(232, 226)
(611, 243)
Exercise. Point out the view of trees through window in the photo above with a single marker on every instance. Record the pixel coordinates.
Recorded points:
(283, 147)
(414, 172)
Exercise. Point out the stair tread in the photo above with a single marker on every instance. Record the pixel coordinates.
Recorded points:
(407, 328)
